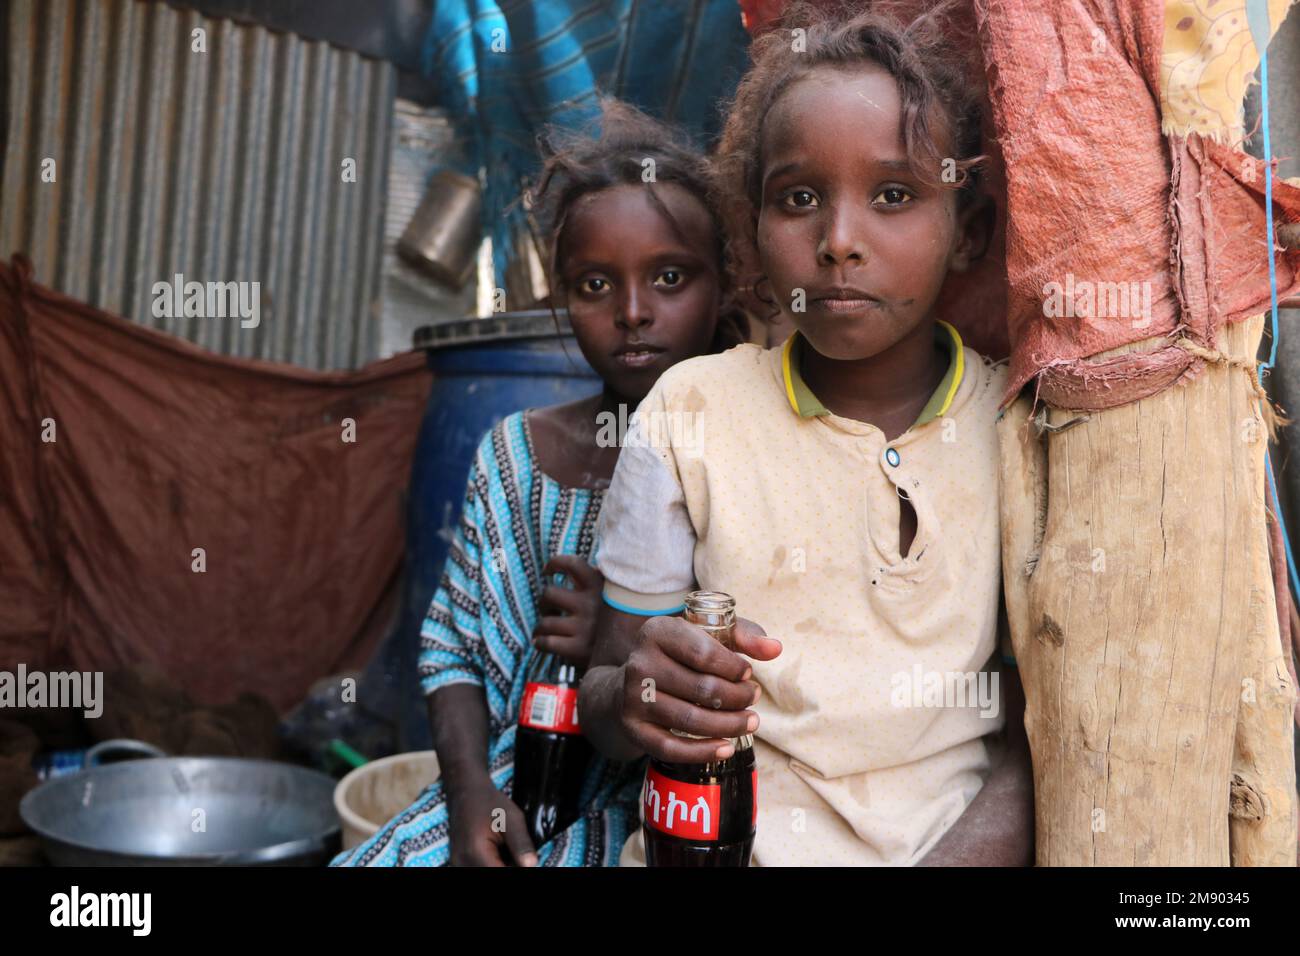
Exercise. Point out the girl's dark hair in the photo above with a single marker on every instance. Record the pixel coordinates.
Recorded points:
(924, 53)
(576, 164)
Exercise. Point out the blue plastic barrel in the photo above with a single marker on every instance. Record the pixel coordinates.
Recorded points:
(483, 369)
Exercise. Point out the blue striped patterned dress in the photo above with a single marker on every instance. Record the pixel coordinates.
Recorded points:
(479, 631)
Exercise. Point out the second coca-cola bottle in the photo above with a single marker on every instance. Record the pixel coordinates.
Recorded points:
(703, 814)
(551, 754)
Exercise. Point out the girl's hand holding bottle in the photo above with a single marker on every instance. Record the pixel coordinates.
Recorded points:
(566, 625)
(679, 678)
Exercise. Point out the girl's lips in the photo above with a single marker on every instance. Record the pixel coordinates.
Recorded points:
(638, 358)
(848, 306)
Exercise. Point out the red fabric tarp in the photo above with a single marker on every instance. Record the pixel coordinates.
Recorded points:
(162, 448)
(1096, 192)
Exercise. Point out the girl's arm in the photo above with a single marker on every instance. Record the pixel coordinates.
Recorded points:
(452, 677)
(997, 828)
(651, 674)
(459, 716)
(600, 699)
(483, 822)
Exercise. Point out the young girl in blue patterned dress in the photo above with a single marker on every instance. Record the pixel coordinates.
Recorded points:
(637, 259)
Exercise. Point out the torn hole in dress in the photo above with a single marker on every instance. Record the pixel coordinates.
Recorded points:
(907, 525)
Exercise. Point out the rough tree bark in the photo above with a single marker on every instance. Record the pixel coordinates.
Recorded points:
(1158, 703)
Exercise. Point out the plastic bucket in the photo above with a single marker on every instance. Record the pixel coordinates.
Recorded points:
(374, 793)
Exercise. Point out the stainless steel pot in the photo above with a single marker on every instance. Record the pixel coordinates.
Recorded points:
(184, 811)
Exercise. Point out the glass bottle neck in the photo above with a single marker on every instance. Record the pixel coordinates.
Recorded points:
(566, 673)
(549, 669)
(743, 742)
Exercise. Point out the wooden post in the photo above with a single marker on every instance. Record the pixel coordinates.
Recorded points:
(1158, 704)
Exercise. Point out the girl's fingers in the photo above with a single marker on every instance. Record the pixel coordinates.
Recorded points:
(752, 641)
(517, 839)
(563, 599)
(673, 713)
(663, 745)
(692, 647)
(584, 576)
(485, 853)
(704, 690)
(574, 649)
(567, 626)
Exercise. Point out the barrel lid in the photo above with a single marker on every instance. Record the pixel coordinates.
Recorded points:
(532, 324)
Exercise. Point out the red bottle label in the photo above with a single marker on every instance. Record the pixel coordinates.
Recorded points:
(550, 708)
(686, 810)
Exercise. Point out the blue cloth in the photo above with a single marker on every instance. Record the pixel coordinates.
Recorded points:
(479, 631)
(507, 68)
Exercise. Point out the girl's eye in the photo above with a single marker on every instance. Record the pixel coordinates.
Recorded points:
(801, 198)
(668, 278)
(593, 286)
(891, 196)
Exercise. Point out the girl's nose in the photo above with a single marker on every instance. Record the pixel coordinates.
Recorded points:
(634, 309)
(843, 241)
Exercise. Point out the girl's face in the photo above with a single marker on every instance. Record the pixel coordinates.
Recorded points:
(643, 292)
(855, 245)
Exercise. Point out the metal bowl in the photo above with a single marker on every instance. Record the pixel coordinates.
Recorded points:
(186, 811)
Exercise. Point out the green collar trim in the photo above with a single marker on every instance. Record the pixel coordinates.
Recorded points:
(806, 405)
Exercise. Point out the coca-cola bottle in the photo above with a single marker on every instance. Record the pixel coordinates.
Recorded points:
(551, 754)
(703, 814)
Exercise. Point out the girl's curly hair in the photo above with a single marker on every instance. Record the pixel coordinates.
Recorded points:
(577, 163)
(922, 52)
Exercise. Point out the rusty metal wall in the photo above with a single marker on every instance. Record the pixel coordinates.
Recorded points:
(222, 165)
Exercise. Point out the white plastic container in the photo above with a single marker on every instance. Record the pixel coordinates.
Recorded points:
(374, 793)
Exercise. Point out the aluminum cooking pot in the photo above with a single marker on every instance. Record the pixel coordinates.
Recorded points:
(184, 811)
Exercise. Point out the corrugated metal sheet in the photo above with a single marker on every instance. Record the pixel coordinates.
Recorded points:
(222, 166)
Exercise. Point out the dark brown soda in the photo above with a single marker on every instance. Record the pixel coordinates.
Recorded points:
(736, 830)
(549, 773)
(551, 753)
(735, 778)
